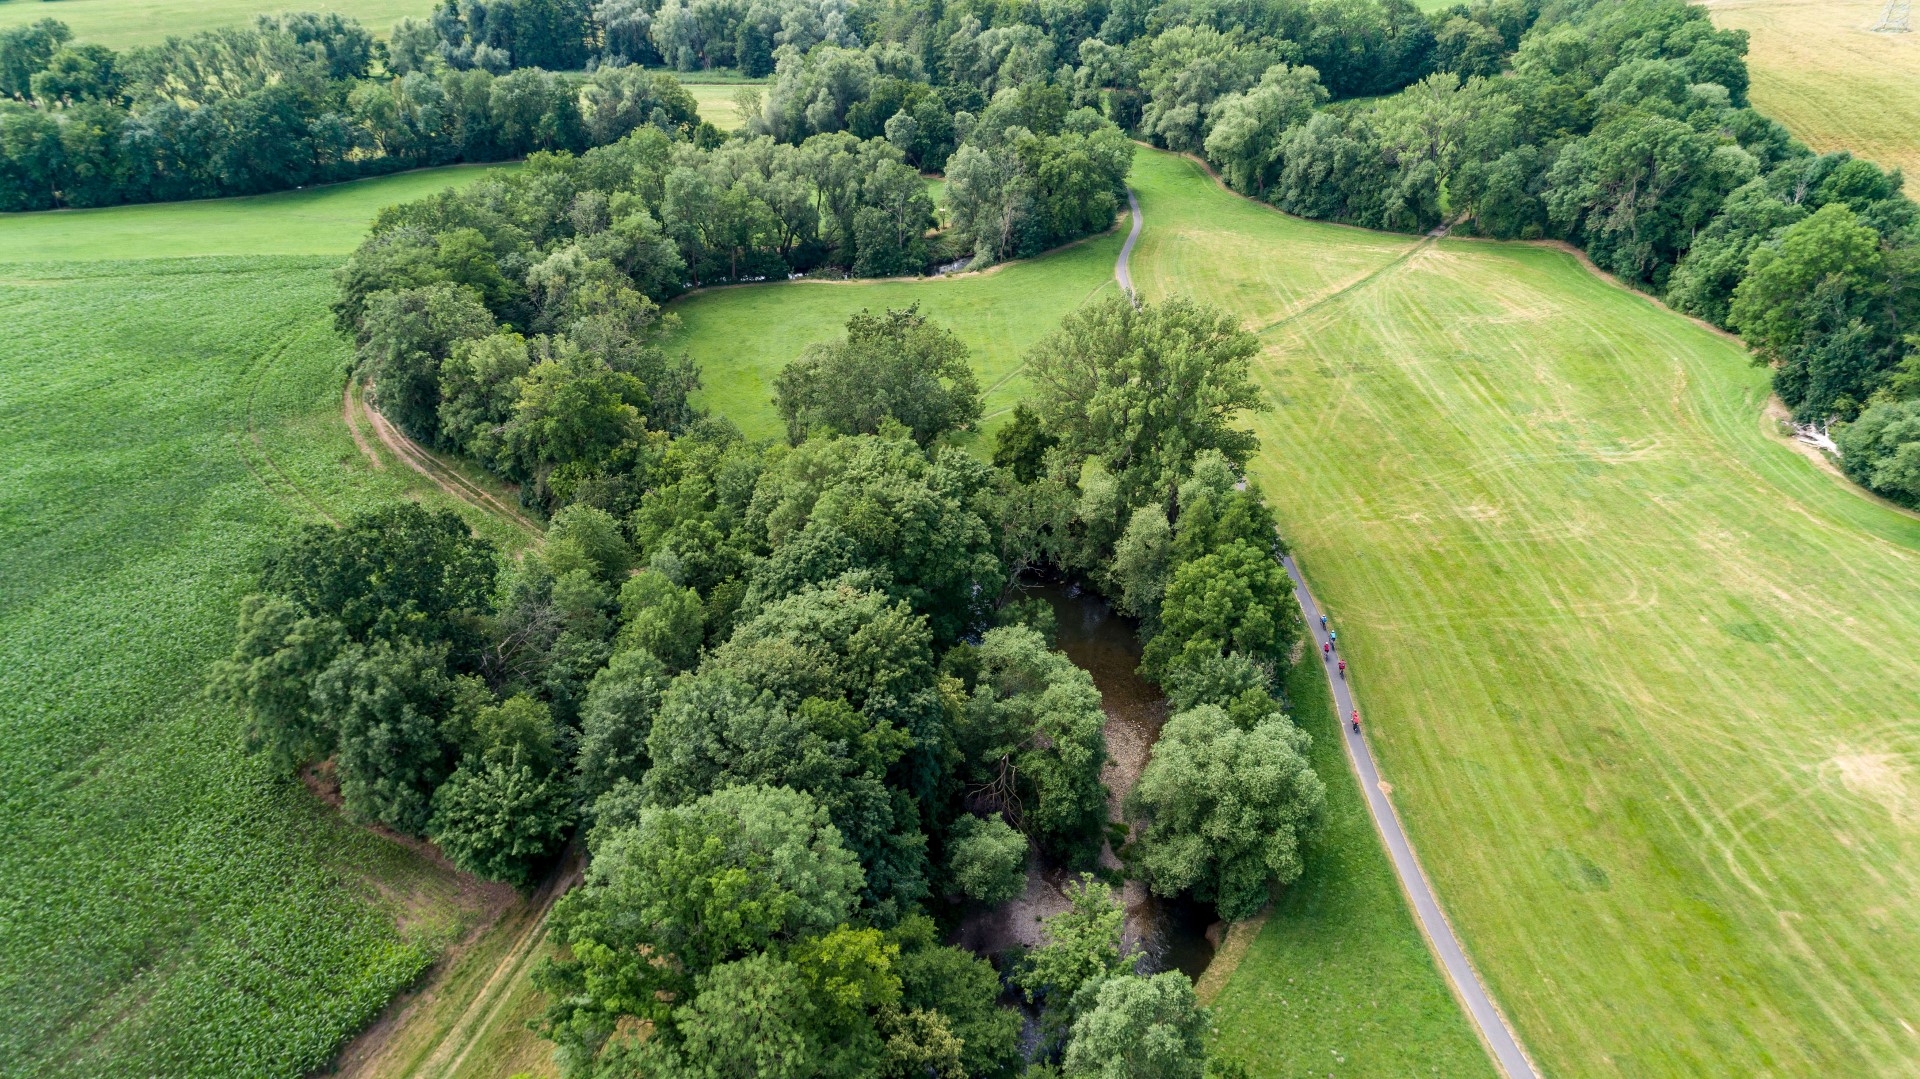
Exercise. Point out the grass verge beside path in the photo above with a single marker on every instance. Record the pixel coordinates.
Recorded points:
(1339, 980)
(1641, 676)
(326, 220)
(174, 906)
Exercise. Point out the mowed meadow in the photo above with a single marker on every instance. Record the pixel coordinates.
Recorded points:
(1817, 68)
(124, 23)
(742, 335)
(1641, 677)
(174, 907)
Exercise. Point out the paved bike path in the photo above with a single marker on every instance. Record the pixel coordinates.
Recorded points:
(1467, 986)
(1120, 271)
(1446, 947)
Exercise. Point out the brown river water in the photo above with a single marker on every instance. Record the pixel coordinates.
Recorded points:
(1167, 934)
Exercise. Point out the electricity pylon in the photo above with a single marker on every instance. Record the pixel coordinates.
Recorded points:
(1896, 18)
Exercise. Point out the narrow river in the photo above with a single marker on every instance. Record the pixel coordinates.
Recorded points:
(1168, 934)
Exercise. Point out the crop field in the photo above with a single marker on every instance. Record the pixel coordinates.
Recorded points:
(121, 23)
(743, 335)
(1640, 676)
(1817, 69)
(173, 906)
(327, 220)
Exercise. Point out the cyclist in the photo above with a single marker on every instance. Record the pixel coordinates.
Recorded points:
(1334, 638)
(1343, 668)
(1326, 652)
(1323, 621)
(1356, 721)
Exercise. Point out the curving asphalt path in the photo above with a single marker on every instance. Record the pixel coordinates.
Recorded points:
(1446, 947)
(1494, 1031)
(1120, 271)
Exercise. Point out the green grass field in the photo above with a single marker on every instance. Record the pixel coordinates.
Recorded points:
(1817, 69)
(716, 99)
(1339, 978)
(327, 220)
(121, 23)
(173, 907)
(742, 336)
(1641, 677)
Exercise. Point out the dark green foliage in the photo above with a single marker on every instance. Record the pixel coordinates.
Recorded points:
(1021, 446)
(388, 702)
(879, 505)
(1881, 449)
(403, 336)
(277, 653)
(1032, 734)
(289, 101)
(616, 720)
(698, 886)
(896, 367)
(392, 572)
(500, 817)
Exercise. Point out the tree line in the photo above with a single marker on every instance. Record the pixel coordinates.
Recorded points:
(290, 101)
(792, 696)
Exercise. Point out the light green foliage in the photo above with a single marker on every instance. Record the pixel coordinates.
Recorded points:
(1142, 562)
(897, 367)
(1083, 946)
(1131, 1027)
(989, 859)
(616, 719)
(520, 729)
(662, 618)
(500, 817)
(1227, 810)
(705, 884)
(1242, 138)
(598, 537)
(1145, 389)
(1033, 736)
(1236, 599)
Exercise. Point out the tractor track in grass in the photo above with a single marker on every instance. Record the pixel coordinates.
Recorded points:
(417, 457)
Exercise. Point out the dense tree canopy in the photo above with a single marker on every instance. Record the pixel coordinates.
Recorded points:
(898, 367)
(1226, 808)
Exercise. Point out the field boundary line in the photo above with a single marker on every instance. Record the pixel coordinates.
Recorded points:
(1496, 1033)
